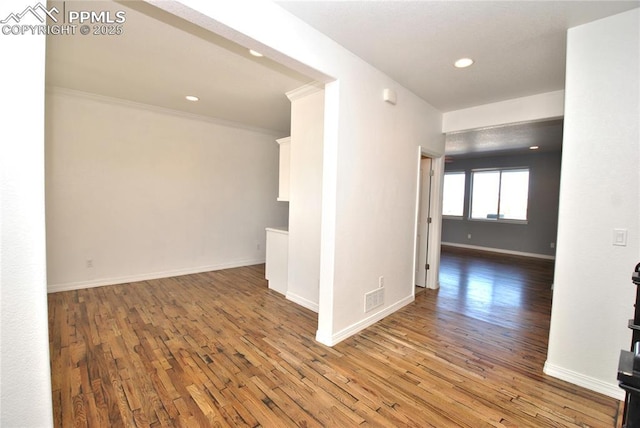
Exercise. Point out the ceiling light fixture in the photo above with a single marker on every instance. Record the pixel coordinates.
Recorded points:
(255, 53)
(192, 98)
(463, 63)
(534, 147)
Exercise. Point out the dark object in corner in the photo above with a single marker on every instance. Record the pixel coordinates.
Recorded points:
(629, 365)
(629, 380)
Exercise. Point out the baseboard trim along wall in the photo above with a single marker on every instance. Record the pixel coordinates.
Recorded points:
(499, 250)
(361, 325)
(53, 288)
(610, 390)
(305, 303)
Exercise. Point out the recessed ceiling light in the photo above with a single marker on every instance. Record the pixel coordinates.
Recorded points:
(534, 147)
(255, 53)
(192, 98)
(463, 63)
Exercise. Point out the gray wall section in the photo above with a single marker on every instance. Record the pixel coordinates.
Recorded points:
(534, 237)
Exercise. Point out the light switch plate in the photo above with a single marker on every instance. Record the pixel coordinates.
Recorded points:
(620, 237)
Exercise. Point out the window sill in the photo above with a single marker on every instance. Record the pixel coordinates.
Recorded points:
(507, 221)
(452, 217)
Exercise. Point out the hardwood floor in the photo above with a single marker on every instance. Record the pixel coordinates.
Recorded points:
(220, 349)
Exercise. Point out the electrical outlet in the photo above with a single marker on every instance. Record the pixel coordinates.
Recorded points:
(258, 247)
(552, 245)
(469, 236)
(381, 282)
(89, 264)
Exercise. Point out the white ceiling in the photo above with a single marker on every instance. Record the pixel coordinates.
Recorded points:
(519, 48)
(160, 58)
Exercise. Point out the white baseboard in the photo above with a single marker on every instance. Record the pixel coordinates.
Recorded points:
(305, 303)
(499, 250)
(53, 288)
(609, 389)
(334, 339)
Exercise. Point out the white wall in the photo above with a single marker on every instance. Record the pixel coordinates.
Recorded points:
(376, 196)
(600, 184)
(145, 193)
(305, 193)
(25, 381)
(525, 109)
(369, 160)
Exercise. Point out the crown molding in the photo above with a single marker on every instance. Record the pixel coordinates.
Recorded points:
(303, 91)
(58, 90)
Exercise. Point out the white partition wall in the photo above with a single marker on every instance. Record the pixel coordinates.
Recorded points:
(305, 195)
(25, 381)
(599, 192)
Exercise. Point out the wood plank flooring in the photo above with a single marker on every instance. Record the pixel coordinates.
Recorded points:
(220, 349)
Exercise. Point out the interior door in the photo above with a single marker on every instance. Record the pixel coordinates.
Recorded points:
(424, 222)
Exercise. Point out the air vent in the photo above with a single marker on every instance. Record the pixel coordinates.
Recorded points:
(373, 299)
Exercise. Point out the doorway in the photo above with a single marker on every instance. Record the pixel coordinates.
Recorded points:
(424, 221)
(428, 219)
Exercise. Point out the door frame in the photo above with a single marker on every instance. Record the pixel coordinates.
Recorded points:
(424, 221)
(435, 232)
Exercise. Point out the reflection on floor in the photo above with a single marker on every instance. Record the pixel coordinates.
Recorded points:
(221, 349)
(514, 292)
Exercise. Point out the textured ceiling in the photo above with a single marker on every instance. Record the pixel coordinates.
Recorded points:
(518, 46)
(160, 58)
(547, 135)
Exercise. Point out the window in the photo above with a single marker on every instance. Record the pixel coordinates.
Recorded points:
(500, 194)
(453, 194)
